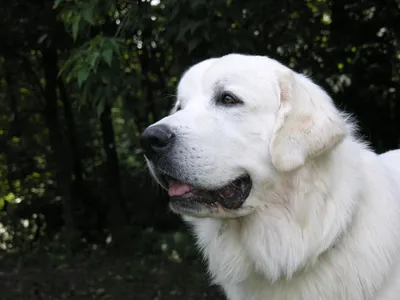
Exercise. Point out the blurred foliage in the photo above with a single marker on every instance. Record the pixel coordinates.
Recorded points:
(79, 81)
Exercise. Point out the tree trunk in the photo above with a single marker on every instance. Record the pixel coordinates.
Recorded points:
(112, 185)
(61, 158)
(15, 130)
(72, 133)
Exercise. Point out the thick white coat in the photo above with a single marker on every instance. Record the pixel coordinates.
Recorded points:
(323, 218)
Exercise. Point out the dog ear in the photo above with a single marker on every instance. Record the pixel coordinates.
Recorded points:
(307, 125)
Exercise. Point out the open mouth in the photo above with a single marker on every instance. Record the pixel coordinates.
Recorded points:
(231, 196)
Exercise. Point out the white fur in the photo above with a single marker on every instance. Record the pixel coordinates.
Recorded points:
(322, 220)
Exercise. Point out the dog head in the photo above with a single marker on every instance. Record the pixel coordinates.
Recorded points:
(239, 122)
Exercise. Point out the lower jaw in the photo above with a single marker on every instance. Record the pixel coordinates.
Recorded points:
(188, 208)
(187, 203)
(207, 210)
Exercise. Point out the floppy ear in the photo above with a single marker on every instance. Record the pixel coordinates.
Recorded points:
(308, 123)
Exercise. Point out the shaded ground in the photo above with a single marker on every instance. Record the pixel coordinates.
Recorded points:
(102, 274)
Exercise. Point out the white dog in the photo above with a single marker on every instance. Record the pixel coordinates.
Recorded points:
(286, 203)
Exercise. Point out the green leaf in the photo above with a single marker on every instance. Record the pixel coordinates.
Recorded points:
(82, 77)
(175, 11)
(87, 14)
(114, 44)
(57, 3)
(24, 91)
(10, 198)
(193, 45)
(75, 26)
(183, 30)
(194, 26)
(107, 56)
(94, 58)
(195, 3)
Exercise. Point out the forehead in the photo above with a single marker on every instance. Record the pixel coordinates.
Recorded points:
(192, 77)
(231, 72)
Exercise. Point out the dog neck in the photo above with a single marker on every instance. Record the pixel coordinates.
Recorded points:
(303, 216)
(306, 213)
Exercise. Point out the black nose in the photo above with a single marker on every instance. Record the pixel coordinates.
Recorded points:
(155, 140)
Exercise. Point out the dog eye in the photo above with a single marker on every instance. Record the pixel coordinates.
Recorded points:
(178, 108)
(227, 99)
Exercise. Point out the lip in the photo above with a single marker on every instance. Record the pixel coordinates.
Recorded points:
(230, 196)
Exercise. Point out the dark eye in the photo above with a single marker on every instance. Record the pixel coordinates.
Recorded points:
(178, 108)
(228, 99)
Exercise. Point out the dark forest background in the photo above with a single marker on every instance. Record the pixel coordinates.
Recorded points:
(80, 217)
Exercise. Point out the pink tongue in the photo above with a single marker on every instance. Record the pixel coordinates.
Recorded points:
(177, 188)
